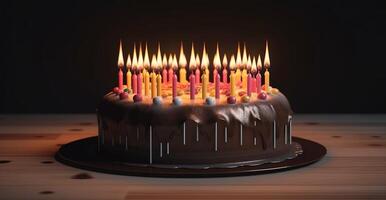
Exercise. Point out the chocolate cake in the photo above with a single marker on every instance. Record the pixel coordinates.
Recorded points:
(195, 134)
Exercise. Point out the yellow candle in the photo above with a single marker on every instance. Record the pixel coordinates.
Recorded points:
(159, 79)
(233, 84)
(128, 77)
(244, 77)
(267, 64)
(266, 78)
(238, 75)
(207, 74)
(183, 75)
(146, 78)
(153, 84)
(204, 85)
(183, 63)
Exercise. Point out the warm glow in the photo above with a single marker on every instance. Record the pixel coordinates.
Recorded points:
(135, 62)
(245, 59)
(249, 62)
(254, 67)
(267, 62)
(197, 61)
(205, 59)
(182, 60)
(192, 61)
(154, 62)
(259, 65)
(140, 58)
(120, 56)
(232, 64)
(175, 64)
(164, 61)
(170, 60)
(146, 61)
(238, 56)
(128, 62)
(216, 59)
(159, 56)
(225, 61)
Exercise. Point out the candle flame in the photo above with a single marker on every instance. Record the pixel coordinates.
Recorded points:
(175, 64)
(154, 62)
(259, 65)
(146, 61)
(140, 58)
(159, 56)
(164, 61)
(120, 56)
(267, 62)
(238, 56)
(249, 62)
(182, 60)
(135, 61)
(170, 60)
(232, 64)
(192, 61)
(225, 61)
(197, 61)
(245, 59)
(128, 62)
(254, 67)
(216, 59)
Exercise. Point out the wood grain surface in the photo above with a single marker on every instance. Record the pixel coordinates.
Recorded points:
(354, 168)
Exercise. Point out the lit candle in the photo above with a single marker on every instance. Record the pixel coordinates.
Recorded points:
(225, 71)
(170, 72)
(134, 66)
(158, 72)
(249, 77)
(164, 70)
(146, 65)
(253, 72)
(174, 81)
(128, 73)
(120, 65)
(182, 62)
(153, 76)
(198, 72)
(216, 64)
(244, 67)
(258, 76)
(232, 66)
(267, 65)
(192, 78)
(205, 62)
(238, 64)
(140, 68)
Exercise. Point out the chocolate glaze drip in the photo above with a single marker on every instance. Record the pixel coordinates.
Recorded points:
(196, 135)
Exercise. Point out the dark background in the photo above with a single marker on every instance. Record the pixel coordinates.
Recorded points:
(326, 56)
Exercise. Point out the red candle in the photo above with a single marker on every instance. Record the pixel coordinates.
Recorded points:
(174, 85)
(134, 81)
(120, 79)
(225, 71)
(170, 76)
(249, 84)
(253, 88)
(258, 83)
(192, 82)
(198, 76)
(139, 84)
(164, 76)
(215, 75)
(217, 86)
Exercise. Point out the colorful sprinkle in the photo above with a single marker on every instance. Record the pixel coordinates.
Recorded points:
(157, 101)
(262, 95)
(137, 98)
(245, 99)
(177, 101)
(210, 101)
(123, 95)
(231, 100)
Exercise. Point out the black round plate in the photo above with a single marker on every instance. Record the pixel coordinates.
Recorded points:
(83, 154)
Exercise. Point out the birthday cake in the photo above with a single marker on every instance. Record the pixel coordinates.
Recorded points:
(195, 123)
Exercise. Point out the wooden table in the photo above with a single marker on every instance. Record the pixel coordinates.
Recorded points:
(354, 168)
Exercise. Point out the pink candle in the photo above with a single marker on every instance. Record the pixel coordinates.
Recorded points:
(120, 79)
(253, 88)
(134, 81)
(224, 76)
(198, 76)
(192, 82)
(170, 77)
(258, 83)
(174, 85)
(215, 75)
(249, 84)
(217, 86)
(164, 76)
(139, 84)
